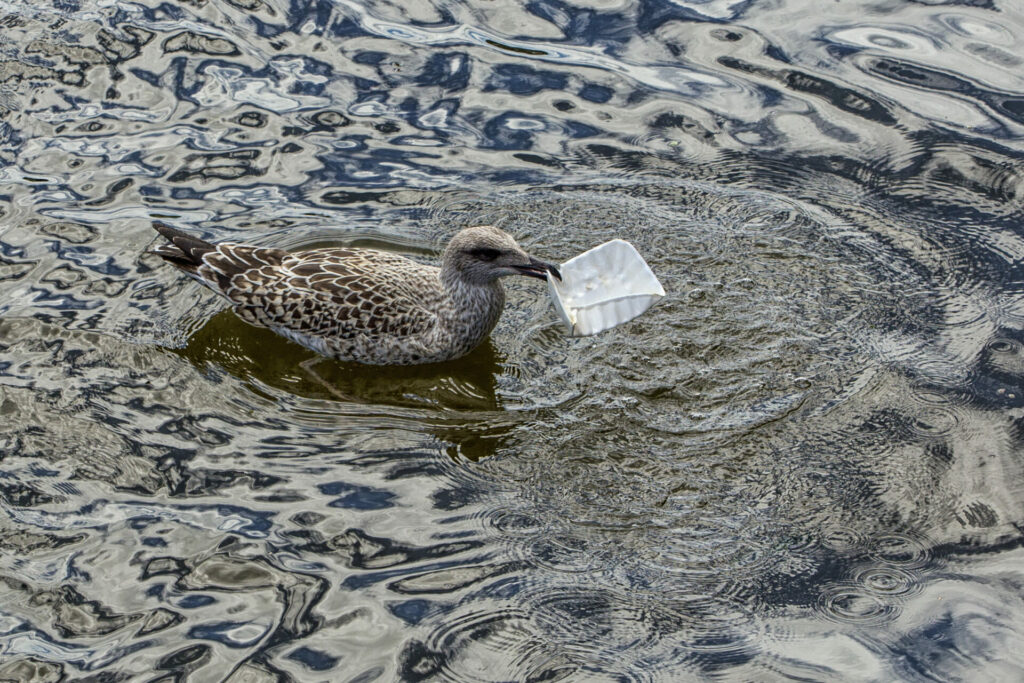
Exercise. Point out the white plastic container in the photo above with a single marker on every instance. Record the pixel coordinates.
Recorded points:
(604, 287)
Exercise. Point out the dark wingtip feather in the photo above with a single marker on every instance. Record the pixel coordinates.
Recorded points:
(166, 230)
(191, 248)
(174, 256)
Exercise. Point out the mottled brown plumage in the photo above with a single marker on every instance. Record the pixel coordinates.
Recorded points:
(363, 305)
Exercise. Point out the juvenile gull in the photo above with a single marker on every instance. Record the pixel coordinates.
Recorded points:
(363, 305)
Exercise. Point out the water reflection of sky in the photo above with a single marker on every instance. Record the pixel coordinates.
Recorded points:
(803, 463)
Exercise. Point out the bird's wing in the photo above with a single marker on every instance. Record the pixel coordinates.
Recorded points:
(220, 264)
(339, 293)
(213, 264)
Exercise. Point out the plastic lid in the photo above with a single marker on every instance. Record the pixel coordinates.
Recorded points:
(604, 287)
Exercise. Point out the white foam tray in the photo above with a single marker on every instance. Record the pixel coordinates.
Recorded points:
(604, 287)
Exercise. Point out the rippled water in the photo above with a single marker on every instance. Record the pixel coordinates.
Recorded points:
(804, 463)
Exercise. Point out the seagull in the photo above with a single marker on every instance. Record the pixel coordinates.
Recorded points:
(363, 305)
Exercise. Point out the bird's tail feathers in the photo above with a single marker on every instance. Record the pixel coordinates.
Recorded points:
(182, 250)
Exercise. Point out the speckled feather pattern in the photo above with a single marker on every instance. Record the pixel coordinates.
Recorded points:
(355, 304)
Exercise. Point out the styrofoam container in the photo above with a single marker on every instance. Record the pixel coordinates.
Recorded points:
(604, 287)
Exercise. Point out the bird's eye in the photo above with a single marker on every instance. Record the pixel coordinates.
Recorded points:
(485, 254)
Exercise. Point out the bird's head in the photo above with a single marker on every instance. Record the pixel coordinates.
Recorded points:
(485, 253)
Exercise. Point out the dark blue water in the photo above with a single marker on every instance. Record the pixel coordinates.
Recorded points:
(803, 464)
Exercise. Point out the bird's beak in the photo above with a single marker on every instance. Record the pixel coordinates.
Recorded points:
(539, 269)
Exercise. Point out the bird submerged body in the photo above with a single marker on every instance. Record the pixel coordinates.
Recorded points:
(363, 305)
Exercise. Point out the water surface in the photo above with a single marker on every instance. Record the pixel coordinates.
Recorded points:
(804, 463)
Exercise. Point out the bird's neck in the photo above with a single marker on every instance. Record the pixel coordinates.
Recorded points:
(473, 309)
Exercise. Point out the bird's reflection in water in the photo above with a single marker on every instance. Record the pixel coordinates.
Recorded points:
(457, 399)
